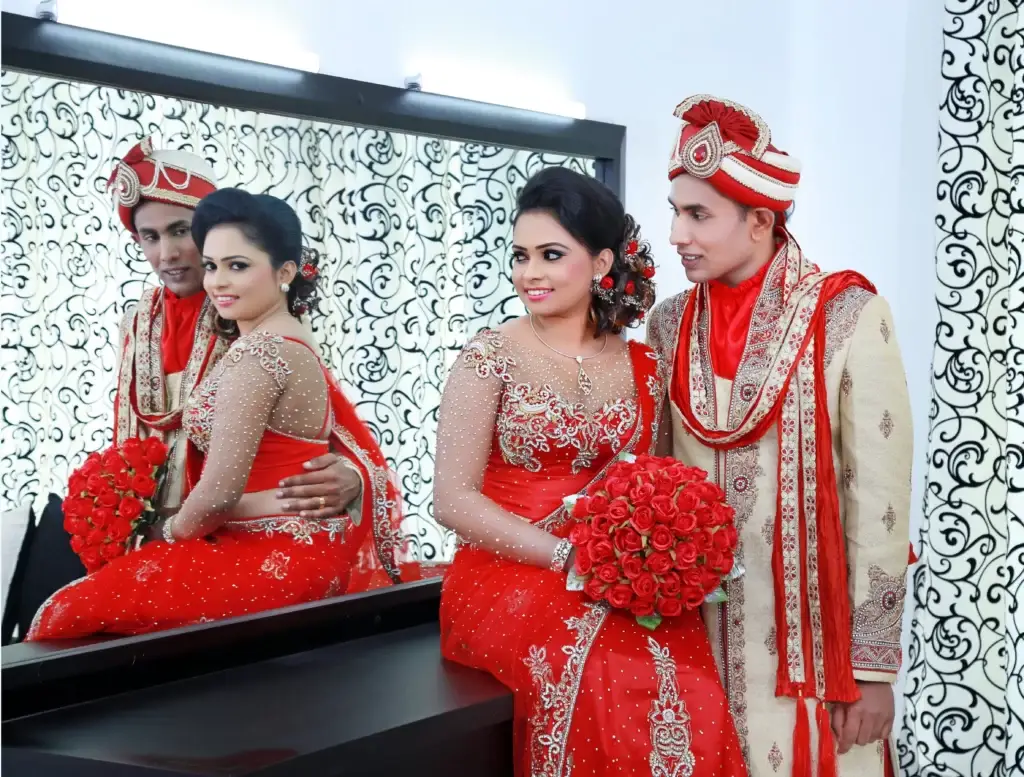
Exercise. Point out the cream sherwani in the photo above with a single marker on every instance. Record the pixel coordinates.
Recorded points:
(872, 442)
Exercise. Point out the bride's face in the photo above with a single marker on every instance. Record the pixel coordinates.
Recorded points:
(552, 271)
(240, 279)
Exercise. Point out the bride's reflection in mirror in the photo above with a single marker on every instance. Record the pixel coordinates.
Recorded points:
(118, 341)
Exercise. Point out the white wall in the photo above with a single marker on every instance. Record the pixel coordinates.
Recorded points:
(851, 89)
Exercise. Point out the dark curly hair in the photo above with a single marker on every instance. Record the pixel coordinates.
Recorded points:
(590, 212)
(273, 226)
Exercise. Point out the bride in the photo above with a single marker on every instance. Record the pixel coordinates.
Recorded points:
(533, 412)
(268, 407)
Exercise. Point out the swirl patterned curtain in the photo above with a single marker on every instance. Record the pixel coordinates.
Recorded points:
(964, 712)
(416, 232)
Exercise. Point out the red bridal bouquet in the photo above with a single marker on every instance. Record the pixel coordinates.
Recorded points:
(111, 497)
(653, 536)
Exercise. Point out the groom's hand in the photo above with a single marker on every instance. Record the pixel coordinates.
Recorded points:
(866, 720)
(329, 479)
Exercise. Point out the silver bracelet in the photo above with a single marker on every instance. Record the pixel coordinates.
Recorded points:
(560, 556)
(168, 534)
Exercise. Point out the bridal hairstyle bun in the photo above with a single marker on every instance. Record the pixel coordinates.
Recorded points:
(270, 224)
(590, 212)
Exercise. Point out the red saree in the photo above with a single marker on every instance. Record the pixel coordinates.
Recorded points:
(245, 565)
(595, 693)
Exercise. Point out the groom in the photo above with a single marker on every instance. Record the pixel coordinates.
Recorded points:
(168, 340)
(787, 386)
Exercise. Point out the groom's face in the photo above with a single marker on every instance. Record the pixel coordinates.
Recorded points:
(715, 238)
(165, 233)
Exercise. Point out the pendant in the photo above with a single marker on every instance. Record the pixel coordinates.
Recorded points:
(583, 380)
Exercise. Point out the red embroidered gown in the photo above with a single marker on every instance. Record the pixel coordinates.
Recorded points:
(264, 411)
(596, 694)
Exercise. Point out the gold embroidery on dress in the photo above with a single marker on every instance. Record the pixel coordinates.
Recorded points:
(535, 420)
(848, 477)
(877, 623)
(276, 565)
(889, 518)
(671, 755)
(775, 757)
(841, 316)
(146, 570)
(771, 642)
(884, 329)
(886, 424)
(300, 529)
(267, 348)
(846, 383)
(551, 718)
(483, 353)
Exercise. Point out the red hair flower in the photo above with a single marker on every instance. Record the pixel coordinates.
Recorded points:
(308, 271)
(607, 282)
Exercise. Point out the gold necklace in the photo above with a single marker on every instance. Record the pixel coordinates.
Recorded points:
(582, 379)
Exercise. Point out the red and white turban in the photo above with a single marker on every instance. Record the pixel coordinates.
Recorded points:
(174, 177)
(730, 147)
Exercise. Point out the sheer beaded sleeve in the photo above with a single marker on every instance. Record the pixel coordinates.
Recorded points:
(469, 410)
(252, 377)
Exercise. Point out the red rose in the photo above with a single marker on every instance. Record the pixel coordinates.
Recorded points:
(670, 608)
(628, 541)
(664, 509)
(582, 561)
(594, 588)
(642, 607)
(120, 530)
(665, 484)
(77, 483)
(632, 566)
(707, 491)
(135, 456)
(112, 461)
(107, 499)
(616, 487)
(76, 526)
(686, 555)
(630, 287)
(122, 480)
(734, 536)
(581, 507)
(659, 563)
(723, 514)
(720, 540)
(642, 520)
(95, 537)
(93, 465)
(597, 504)
(607, 573)
(684, 524)
(96, 485)
(600, 551)
(662, 538)
(620, 596)
(78, 543)
(102, 517)
(705, 517)
(92, 559)
(143, 486)
(641, 494)
(601, 525)
(113, 550)
(618, 511)
(702, 541)
(156, 451)
(686, 502)
(580, 534)
(709, 580)
(671, 585)
(645, 585)
(715, 560)
(693, 597)
(693, 578)
(130, 508)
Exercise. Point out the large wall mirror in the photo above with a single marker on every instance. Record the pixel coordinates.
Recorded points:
(414, 231)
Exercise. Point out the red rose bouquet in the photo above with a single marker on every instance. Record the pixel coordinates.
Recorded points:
(111, 498)
(653, 536)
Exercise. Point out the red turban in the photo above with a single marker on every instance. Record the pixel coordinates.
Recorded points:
(174, 177)
(730, 147)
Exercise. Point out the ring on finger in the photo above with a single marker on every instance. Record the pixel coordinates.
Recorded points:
(323, 503)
